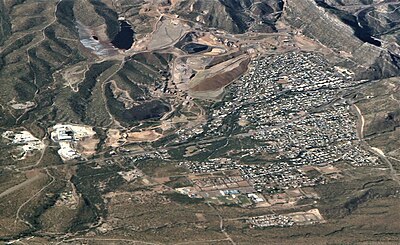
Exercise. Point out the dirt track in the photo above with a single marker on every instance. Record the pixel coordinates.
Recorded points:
(21, 185)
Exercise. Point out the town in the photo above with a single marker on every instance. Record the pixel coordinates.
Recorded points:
(291, 114)
(279, 132)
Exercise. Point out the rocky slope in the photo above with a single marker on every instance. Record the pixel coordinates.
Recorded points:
(235, 16)
(332, 31)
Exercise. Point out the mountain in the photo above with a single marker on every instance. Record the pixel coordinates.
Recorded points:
(340, 30)
(237, 16)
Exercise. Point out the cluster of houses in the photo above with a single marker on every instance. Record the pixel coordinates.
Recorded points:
(268, 178)
(309, 217)
(290, 111)
(271, 220)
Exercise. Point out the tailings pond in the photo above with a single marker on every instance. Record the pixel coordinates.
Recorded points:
(193, 48)
(124, 38)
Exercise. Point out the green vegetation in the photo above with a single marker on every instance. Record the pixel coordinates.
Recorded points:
(79, 101)
(110, 17)
(177, 182)
(183, 199)
(93, 206)
(5, 26)
(65, 14)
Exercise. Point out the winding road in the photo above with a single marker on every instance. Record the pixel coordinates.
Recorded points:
(374, 150)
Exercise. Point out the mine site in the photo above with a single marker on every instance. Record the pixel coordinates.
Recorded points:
(199, 122)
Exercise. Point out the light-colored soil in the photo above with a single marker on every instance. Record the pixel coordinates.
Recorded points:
(88, 146)
(122, 95)
(328, 169)
(306, 44)
(201, 217)
(167, 33)
(161, 180)
(73, 75)
(209, 40)
(149, 135)
(215, 51)
(243, 122)
(113, 136)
